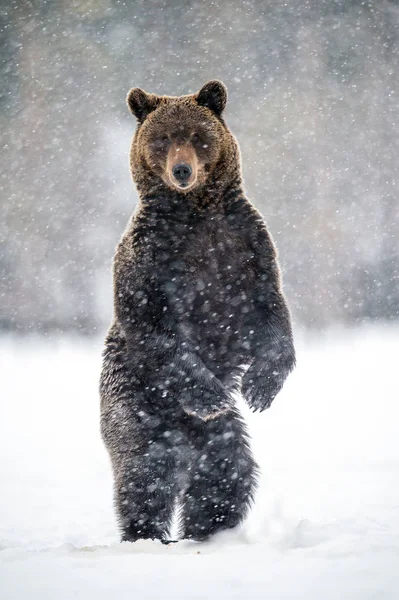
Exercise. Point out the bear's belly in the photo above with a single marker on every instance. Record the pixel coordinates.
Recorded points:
(211, 302)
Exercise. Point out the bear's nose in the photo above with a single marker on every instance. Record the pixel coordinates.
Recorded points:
(182, 172)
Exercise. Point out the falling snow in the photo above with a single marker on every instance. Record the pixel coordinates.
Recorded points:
(313, 101)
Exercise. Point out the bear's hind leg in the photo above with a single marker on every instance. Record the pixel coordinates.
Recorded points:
(145, 493)
(222, 481)
(146, 449)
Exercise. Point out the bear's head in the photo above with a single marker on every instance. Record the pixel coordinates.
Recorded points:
(181, 141)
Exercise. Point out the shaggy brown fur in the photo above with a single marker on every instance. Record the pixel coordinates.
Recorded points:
(176, 127)
(199, 313)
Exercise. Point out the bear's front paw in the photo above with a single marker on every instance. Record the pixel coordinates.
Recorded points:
(205, 413)
(206, 403)
(260, 387)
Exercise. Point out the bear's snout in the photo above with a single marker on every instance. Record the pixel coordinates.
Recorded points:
(182, 166)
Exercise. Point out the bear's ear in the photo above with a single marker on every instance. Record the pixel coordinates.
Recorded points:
(213, 95)
(140, 103)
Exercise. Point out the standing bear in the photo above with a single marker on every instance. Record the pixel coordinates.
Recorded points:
(199, 314)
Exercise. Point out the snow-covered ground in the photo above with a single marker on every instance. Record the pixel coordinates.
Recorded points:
(326, 520)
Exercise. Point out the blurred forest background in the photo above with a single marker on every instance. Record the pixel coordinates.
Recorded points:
(313, 100)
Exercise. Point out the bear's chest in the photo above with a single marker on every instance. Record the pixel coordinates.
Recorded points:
(210, 283)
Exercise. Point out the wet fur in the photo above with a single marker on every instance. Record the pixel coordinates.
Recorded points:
(197, 300)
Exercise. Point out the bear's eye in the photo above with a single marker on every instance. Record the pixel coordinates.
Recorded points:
(160, 143)
(195, 137)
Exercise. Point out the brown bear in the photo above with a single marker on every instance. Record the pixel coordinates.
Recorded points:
(199, 314)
